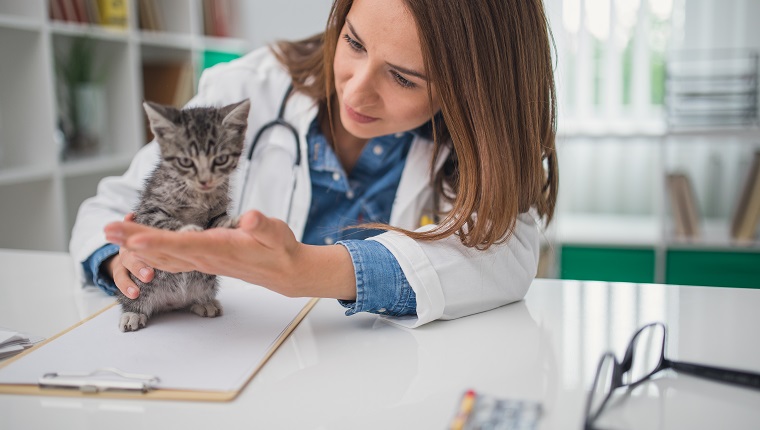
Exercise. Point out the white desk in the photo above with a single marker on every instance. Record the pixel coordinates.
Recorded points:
(338, 372)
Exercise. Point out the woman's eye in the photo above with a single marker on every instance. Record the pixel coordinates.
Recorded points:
(356, 46)
(406, 83)
(221, 160)
(185, 162)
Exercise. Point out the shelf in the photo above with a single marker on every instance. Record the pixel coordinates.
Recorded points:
(20, 23)
(95, 165)
(717, 131)
(74, 29)
(165, 40)
(26, 123)
(714, 235)
(608, 230)
(614, 132)
(45, 179)
(13, 176)
(23, 9)
(653, 128)
(224, 44)
(32, 217)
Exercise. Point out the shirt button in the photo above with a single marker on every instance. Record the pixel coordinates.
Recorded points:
(377, 149)
(329, 241)
(336, 176)
(399, 135)
(381, 310)
(349, 194)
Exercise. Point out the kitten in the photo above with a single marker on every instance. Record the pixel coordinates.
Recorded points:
(189, 190)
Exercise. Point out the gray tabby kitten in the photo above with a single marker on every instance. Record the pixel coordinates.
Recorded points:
(188, 191)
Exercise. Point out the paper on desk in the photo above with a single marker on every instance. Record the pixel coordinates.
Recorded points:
(12, 342)
(185, 351)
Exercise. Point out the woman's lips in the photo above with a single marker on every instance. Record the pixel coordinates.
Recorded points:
(357, 117)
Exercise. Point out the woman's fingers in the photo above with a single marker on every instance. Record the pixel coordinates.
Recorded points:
(257, 241)
(129, 234)
(265, 230)
(122, 280)
(136, 266)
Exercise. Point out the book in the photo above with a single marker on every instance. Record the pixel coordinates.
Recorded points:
(208, 18)
(683, 205)
(80, 7)
(217, 16)
(93, 11)
(114, 13)
(222, 18)
(184, 89)
(69, 11)
(150, 16)
(747, 214)
(56, 10)
(167, 83)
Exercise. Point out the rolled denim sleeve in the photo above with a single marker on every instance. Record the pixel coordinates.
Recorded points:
(381, 286)
(92, 268)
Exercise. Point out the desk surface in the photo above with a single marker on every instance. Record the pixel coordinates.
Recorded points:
(338, 372)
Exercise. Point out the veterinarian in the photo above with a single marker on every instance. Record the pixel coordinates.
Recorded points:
(429, 124)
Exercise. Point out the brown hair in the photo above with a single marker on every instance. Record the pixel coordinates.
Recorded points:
(490, 61)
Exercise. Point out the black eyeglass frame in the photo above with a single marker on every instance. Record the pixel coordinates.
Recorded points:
(719, 374)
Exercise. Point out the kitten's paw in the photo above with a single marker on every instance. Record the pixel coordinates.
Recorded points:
(191, 227)
(131, 321)
(229, 222)
(210, 309)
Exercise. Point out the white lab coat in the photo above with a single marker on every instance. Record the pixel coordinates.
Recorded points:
(449, 279)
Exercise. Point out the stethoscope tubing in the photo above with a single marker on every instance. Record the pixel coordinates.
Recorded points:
(279, 121)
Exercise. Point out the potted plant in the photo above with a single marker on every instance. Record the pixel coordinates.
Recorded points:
(83, 120)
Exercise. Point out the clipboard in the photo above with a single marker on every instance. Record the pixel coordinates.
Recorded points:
(240, 342)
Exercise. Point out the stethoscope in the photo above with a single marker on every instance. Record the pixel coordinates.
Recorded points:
(279, 121)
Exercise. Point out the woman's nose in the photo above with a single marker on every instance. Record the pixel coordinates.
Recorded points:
(361, 92)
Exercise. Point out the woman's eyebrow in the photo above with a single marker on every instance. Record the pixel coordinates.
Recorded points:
(403, 70)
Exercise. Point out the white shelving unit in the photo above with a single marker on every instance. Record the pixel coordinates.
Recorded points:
(40, 192)
(715, 158)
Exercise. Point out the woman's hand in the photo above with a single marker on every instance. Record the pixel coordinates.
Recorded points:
(120, 265)
(260, 251)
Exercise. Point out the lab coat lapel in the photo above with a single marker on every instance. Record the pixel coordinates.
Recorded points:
(301, 111)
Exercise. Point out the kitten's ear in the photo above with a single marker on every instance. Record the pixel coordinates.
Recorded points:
(162, 119)
(236, 115)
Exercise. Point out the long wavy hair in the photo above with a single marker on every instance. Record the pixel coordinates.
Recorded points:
(491, 63)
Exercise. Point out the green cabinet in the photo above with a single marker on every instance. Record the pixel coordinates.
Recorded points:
(714, 268)
(608, 264)
(720, 268)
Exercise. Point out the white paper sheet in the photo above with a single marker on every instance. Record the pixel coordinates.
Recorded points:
(12, 343)
(186, 351)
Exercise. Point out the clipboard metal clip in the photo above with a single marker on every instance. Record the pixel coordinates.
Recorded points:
(106, 379)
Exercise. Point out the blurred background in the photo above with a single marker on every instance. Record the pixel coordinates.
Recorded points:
(658, 120)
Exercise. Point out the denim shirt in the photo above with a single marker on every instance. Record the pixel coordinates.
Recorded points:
(338, 202)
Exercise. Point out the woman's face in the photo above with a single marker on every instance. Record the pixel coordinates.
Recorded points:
(379, 71)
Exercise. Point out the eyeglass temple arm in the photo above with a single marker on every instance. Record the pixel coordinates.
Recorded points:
(720, 374)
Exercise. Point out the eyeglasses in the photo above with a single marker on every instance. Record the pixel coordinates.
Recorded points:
(644, 357)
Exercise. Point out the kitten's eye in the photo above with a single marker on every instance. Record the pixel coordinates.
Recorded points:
(185, 162)
(221, 160)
